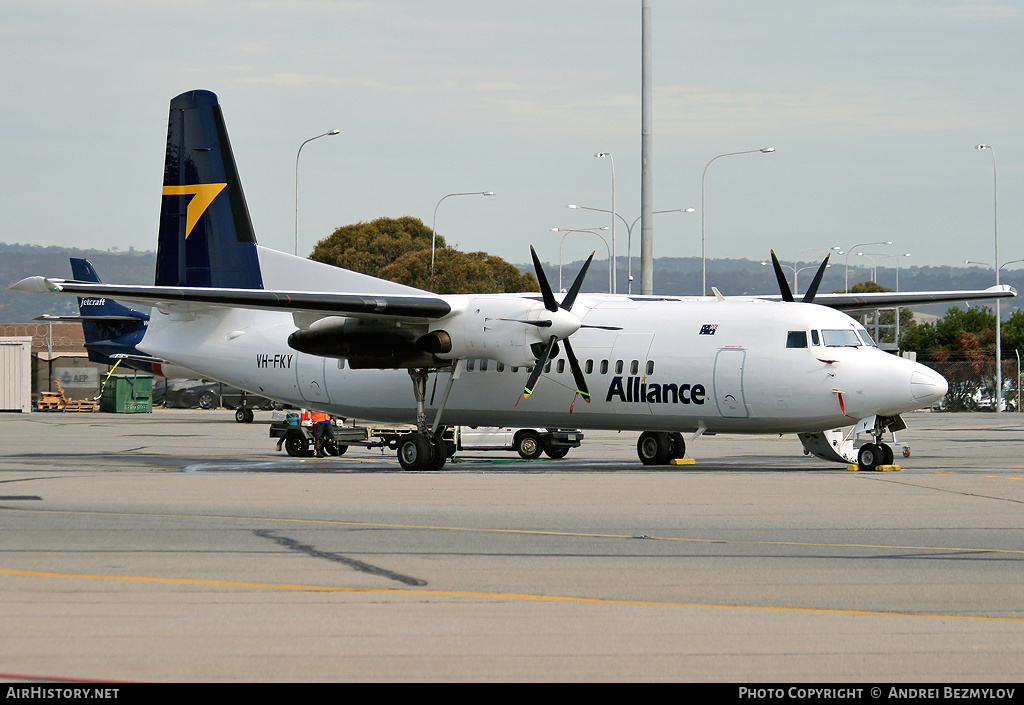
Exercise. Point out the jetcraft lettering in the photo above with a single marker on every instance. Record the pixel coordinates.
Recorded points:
(635, 389)
(276, 361)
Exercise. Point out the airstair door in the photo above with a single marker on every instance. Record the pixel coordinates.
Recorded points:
(729, 383)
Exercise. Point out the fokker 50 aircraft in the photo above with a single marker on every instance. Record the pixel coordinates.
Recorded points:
(313, 335)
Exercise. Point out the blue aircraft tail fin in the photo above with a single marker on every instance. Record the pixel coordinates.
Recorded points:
(109, 327)
(206, 236)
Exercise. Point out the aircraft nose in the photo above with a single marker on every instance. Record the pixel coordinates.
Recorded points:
(927, 385)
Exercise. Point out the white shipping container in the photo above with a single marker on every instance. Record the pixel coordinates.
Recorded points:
(16, 374)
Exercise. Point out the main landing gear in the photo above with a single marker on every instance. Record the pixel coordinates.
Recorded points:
(659, 447)
(424, 449)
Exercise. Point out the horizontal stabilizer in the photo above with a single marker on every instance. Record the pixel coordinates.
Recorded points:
(89, 319)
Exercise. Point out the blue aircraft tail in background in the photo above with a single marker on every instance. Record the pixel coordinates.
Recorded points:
(110, 328)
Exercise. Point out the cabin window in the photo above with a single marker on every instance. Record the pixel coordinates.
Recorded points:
(618, 367)
(815, 340)
(841, 338)
(560, 367)
(604, 367)
(796, 339)
(515, 370)
(547, 367)
(650, 367)
(483, 365)
(470, 365)
(590, 367)
(501, 367)
(634, 367)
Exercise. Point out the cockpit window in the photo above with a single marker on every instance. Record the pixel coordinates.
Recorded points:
(815, 340)
(841, 338)
(866, 337)
(796, 339)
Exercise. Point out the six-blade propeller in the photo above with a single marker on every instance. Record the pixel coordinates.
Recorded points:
(554, 307)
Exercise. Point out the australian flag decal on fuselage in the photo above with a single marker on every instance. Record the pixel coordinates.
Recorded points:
(708, 328)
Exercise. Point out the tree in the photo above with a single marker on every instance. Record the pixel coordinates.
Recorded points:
(458, 272)
(369, 247)
(398, 249)
(961, 346)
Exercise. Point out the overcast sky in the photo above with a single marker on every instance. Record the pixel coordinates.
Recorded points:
(874, 108)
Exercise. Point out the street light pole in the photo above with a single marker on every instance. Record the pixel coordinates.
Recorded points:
(615, 281)
(703, 257)
(326, 134)
(830, 250)
(859, 244)
(433, 225)
(592, 231)
(629, 235)
(896, 262)
(999, 316)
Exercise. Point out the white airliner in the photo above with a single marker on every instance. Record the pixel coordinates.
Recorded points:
(318, 336)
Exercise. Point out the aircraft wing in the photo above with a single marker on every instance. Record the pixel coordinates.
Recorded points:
(894, 299)
(356, 305)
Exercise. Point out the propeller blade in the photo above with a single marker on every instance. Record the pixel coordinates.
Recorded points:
(812, 290)
(545, 289)
(539, 367)
(787, 295)
(602, 327)
(577, 372)
(570, 298)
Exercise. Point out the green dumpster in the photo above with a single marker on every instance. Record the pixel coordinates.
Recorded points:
(127, 394)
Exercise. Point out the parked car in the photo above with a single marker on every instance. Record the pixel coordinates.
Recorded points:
(209, 394)
(530, 443)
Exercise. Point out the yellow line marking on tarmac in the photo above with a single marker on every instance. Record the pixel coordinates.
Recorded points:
(498, 596)
(528, 532)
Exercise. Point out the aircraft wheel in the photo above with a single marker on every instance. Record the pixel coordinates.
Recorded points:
(677, 446)
(414, 452)
(439, 450)
(528, 445)
(244, 415)
(869, 457)
(654, 448)
(296, 445)
(556, 453)
(888, 457)
(906, 451)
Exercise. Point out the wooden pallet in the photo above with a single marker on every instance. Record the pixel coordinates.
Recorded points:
(52, 401)
(81, 406)
(48, 402)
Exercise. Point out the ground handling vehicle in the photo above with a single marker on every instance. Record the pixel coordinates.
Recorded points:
(296, 438)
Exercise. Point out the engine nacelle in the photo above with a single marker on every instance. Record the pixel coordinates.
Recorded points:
(502, 329)
(365, 344)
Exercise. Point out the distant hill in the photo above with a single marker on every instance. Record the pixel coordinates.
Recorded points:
(673, 276)
(20, 261)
